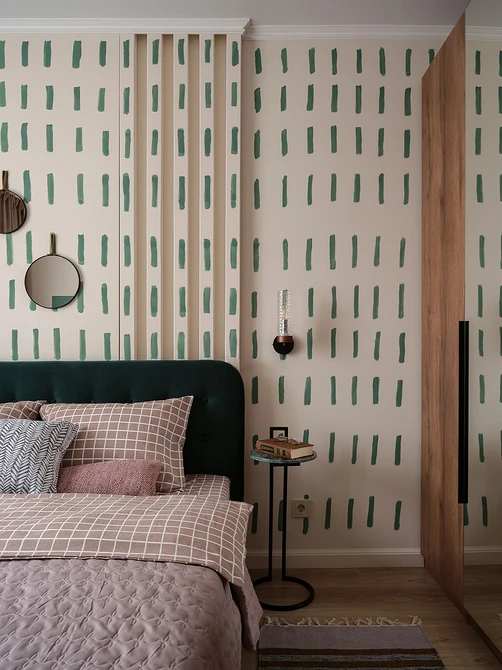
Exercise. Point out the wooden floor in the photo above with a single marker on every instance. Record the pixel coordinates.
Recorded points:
(483, 598)
(395, 593)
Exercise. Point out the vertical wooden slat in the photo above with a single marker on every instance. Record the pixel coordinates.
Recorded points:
(181, 204)
(154, 287)
(233, 205)
(206, 197)
(127, 345)
(443, 253)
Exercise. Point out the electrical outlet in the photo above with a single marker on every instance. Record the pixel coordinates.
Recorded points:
(301, 509)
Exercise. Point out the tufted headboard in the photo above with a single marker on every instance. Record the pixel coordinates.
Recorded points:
(215, 435)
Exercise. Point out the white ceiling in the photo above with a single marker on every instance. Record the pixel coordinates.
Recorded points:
(485, 13)
(261, 12)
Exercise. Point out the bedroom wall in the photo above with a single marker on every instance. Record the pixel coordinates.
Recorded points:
(331, 211)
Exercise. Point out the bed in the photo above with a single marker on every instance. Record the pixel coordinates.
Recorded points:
(154, 591)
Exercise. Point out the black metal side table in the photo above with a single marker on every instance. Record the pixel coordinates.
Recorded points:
(281, 463)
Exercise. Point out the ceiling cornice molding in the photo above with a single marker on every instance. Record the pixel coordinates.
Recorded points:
(346, 32)
(484, 33)
(135, 26)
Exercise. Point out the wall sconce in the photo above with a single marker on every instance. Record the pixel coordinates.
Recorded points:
(284, 343)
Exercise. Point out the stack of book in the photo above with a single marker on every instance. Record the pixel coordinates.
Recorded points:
(282, 449)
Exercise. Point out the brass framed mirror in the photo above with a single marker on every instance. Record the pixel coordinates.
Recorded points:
(13, 210)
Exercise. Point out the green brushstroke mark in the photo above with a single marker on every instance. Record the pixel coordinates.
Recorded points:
(333, 188)
(49, 98)
(333, 343)
(208, 95)
(154, 346)
(254, 304)
(57, 343)
(482, 251)
(153, 251)
(399, 393)
(254, 518)
(402, 252)
(356, 302)
(154, 301)
(333, 390)
(477, 66)
(308, 255)
(478, 102)
(359, 99)
(332, 440)
(181, 51)
(355, 442)
(207, 255)
(484, 505)
(257, 100)
(105, 184)
(127, 251)
(254, 340)
(182, 95)
(432, 55)
(376, 390)
(310, 140)
(334, 98)
(36, 344)
(359, 140)
(76, 98)
(284, 142)
(27, 186)
(25, 46)
(233, 253)
(371, 511)
(181, 142)
(256, 190)
(480, 301)
(327, 515)
(233, 191)
(234, 141)
(107, 337)
(381, 141)
(104, 251)
(334, 305)
(354, 390)
(350, 513)
(280, 389)
(127, 347)
(310, 97)
(500, 99)
(82, 346)
(235, 53)
(397, 450)
(105, 142)
(15, 345)
(207, 51)
(29, 248)
(49, 137)
(408, 63)
(312, 60)
(155, 142)
(332, 252)
(12, 294)
(381, 189)
(357, 188)
(254, 391)
(206, 300)
(310, 184)
(397, 515)
(127, 300)
(101, 99)
(500, 140)
(24, 137)
(382, 60)
(79, 144)
(258, 67)
(334, 61)
(310, 343)
(155, 51)
(181, 192)
(374, 450)
(477, 142)
(232, 302)
(285, 255)
(24, 96)
(257, 144)
(207, 142)
(407, 143)
(359, 61)
(334, 139)
(479, 188)
(47, 53)
(355, 344)
(311, 302)
(381, 100)
(284, 60)
(80, 189)
(155, 98)
(77, 54)
(354, 251)
(284, 102)
(206, 343)
(102, 53)
(481, 445)
(104, 298)
(407, 102)
(402, 347)
(126, 46)
(482, 390)
(376, 348)
(256, 254)
(400, 313)
(406, 199)
(376, 255)
(307, 394)
(80, 299)
(182, 299)
(207, 191)
(81, 250)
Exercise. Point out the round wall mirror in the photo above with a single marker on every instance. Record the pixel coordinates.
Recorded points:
(52, 281)
(13, 210)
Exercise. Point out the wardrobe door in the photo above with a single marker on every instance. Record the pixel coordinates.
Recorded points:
(443, 96)
(483, 513)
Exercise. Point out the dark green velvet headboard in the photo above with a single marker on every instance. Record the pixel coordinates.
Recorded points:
(215, 435)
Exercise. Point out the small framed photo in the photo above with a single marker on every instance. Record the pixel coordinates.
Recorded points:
(276, 432)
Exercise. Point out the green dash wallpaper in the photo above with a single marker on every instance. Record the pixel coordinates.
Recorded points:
(59, 142)
(332, 211)
(482, 517)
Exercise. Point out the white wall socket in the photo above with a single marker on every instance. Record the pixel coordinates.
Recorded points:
(301, 509)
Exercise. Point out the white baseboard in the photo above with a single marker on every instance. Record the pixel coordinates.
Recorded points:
(483, 556)
(342, 558)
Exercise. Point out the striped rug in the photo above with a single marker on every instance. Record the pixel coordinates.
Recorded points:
(346, 648)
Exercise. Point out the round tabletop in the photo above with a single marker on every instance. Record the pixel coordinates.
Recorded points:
(275, 460)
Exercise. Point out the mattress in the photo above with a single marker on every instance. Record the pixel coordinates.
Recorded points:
(207, 485)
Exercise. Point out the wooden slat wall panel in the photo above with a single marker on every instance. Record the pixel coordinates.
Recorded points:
(443, 253)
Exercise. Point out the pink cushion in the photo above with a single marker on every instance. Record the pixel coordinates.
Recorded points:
(123, 477)
(24, 409)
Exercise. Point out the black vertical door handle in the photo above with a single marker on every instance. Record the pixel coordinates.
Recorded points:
(463, 413)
